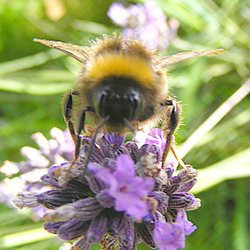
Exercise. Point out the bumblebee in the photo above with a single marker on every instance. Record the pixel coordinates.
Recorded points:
(122, 86)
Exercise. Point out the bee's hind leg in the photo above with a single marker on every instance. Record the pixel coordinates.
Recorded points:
(171, 126)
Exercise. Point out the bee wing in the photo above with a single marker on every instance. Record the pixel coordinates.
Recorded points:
(79, 53)
(168, 60)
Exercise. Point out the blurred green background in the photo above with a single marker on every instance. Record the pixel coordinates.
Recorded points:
(34, 78)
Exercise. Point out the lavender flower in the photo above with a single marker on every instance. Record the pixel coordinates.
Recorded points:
(146, 22)
(123, 186)
(124, 198)
(155, 137)
(171, 236)
(26, 175)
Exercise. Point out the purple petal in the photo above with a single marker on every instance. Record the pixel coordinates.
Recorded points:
(53, 227)
(123, 186)
(187, 174)
(48, 180)
(104, 174)
(114, 139)
(155, 137)
(85, 210)
(26, 200)
(73, 229)
(118, 224)
(36, 157)
(146, 233)
(56, 198)
(181, 200)
(105, 199)
(172, 235)
(125, 165)
(169, 236)
(128, 236)
(153, 150)
(134, 207)
(185, 187)
(133, 150)
(162, 200)
(118, 13)
(97, 228)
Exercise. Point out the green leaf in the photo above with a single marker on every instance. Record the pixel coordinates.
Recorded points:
(28, 62)
(236, 166)
(39, 88)
(25, 237)
(92, 27)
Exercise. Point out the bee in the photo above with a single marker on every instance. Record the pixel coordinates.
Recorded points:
(123, 86)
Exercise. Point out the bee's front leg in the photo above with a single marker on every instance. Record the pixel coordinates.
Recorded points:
(172, 124)
(68, 113)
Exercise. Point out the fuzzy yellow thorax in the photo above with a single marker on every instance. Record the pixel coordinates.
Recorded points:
(121, 65)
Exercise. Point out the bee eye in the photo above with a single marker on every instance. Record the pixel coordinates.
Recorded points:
(136, 103)
(102, 100)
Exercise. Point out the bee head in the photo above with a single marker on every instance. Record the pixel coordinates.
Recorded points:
(120, 99)
(119, 85)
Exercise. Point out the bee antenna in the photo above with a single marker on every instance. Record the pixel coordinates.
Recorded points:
(98, 127)
(128, 124)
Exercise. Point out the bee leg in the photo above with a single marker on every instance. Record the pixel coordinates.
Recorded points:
(81, 128)
(171, 127)
(98, 127)
(76, 135)
(67, 112)
(129, 125)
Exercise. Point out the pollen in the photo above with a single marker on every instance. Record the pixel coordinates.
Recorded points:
(122, 65)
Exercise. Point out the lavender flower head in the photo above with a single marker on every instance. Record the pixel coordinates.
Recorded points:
(124, 198)
(26, 175)
(146, 22)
